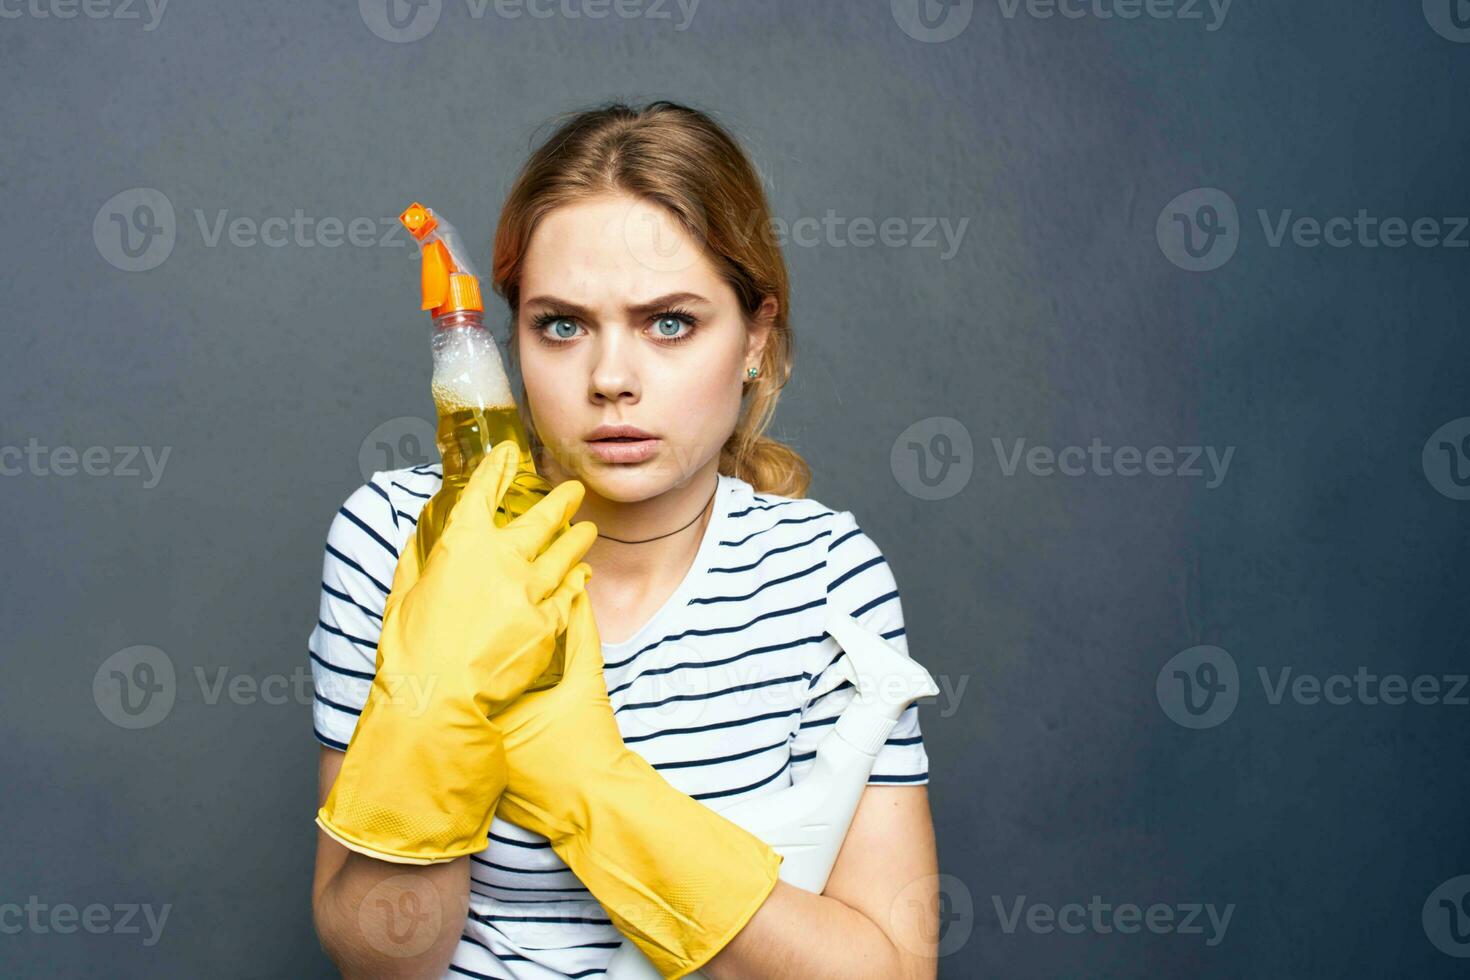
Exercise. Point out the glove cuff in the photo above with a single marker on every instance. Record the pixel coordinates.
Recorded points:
(417, 790)
(374, 849)
(677, 879)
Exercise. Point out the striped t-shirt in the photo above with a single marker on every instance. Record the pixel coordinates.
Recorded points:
(715, 690)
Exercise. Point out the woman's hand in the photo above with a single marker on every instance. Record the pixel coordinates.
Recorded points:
(676, 878)
(496, 598)
(462, 637)
(562, 740)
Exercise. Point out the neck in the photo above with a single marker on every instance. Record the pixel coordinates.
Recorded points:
(635, 560)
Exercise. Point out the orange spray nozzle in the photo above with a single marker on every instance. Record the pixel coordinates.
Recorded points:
(447, 281)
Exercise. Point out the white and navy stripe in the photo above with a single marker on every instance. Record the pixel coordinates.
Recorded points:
(714, 690)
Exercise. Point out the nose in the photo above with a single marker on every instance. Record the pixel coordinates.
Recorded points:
(614, 376)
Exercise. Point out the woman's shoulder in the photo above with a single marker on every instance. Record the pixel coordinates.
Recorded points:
(810, 543)
(409, 484)
(383, 509)
(745, 502)
(405, 490)
(772, 513)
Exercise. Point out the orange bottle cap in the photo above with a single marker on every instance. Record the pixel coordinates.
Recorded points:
(418, 220)
(464, 294)
(444, 288)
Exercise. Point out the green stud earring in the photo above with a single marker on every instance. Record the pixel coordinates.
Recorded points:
(752, 372)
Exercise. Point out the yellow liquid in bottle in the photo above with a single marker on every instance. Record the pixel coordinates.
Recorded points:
(465, 436)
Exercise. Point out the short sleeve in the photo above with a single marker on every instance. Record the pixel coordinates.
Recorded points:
(357, 571)
(860, 584)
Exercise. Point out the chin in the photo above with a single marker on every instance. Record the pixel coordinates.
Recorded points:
(624, 484)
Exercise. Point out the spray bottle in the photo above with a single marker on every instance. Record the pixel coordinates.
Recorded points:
(471, 391)
(807, 823)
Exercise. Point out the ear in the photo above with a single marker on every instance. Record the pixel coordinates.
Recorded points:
(760, 330)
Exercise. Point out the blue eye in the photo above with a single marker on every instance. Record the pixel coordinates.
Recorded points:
(674, 319)
(556, 335)
(669, 326)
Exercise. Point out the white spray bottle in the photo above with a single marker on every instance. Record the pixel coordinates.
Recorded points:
(806, 823)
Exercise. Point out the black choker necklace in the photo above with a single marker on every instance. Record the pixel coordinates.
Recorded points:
(676, 530)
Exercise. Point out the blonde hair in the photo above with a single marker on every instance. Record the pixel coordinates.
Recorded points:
(683, 160)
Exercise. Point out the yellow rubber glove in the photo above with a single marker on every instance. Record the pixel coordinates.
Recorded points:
(425, 765)
(677, 878)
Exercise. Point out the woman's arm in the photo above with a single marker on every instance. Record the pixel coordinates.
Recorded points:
(380, 919)
(877, 919)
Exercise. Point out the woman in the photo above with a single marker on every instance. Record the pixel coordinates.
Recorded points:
(650, 327)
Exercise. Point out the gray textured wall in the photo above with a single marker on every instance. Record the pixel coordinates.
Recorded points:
(1064, 307)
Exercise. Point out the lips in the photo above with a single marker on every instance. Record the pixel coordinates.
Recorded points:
(621, 431)
(622, 444)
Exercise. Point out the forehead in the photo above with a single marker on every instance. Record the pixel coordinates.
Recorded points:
(615, 248)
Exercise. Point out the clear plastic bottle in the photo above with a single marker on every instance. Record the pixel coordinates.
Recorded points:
(472, 394)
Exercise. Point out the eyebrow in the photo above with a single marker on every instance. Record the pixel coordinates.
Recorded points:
(656, 305)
